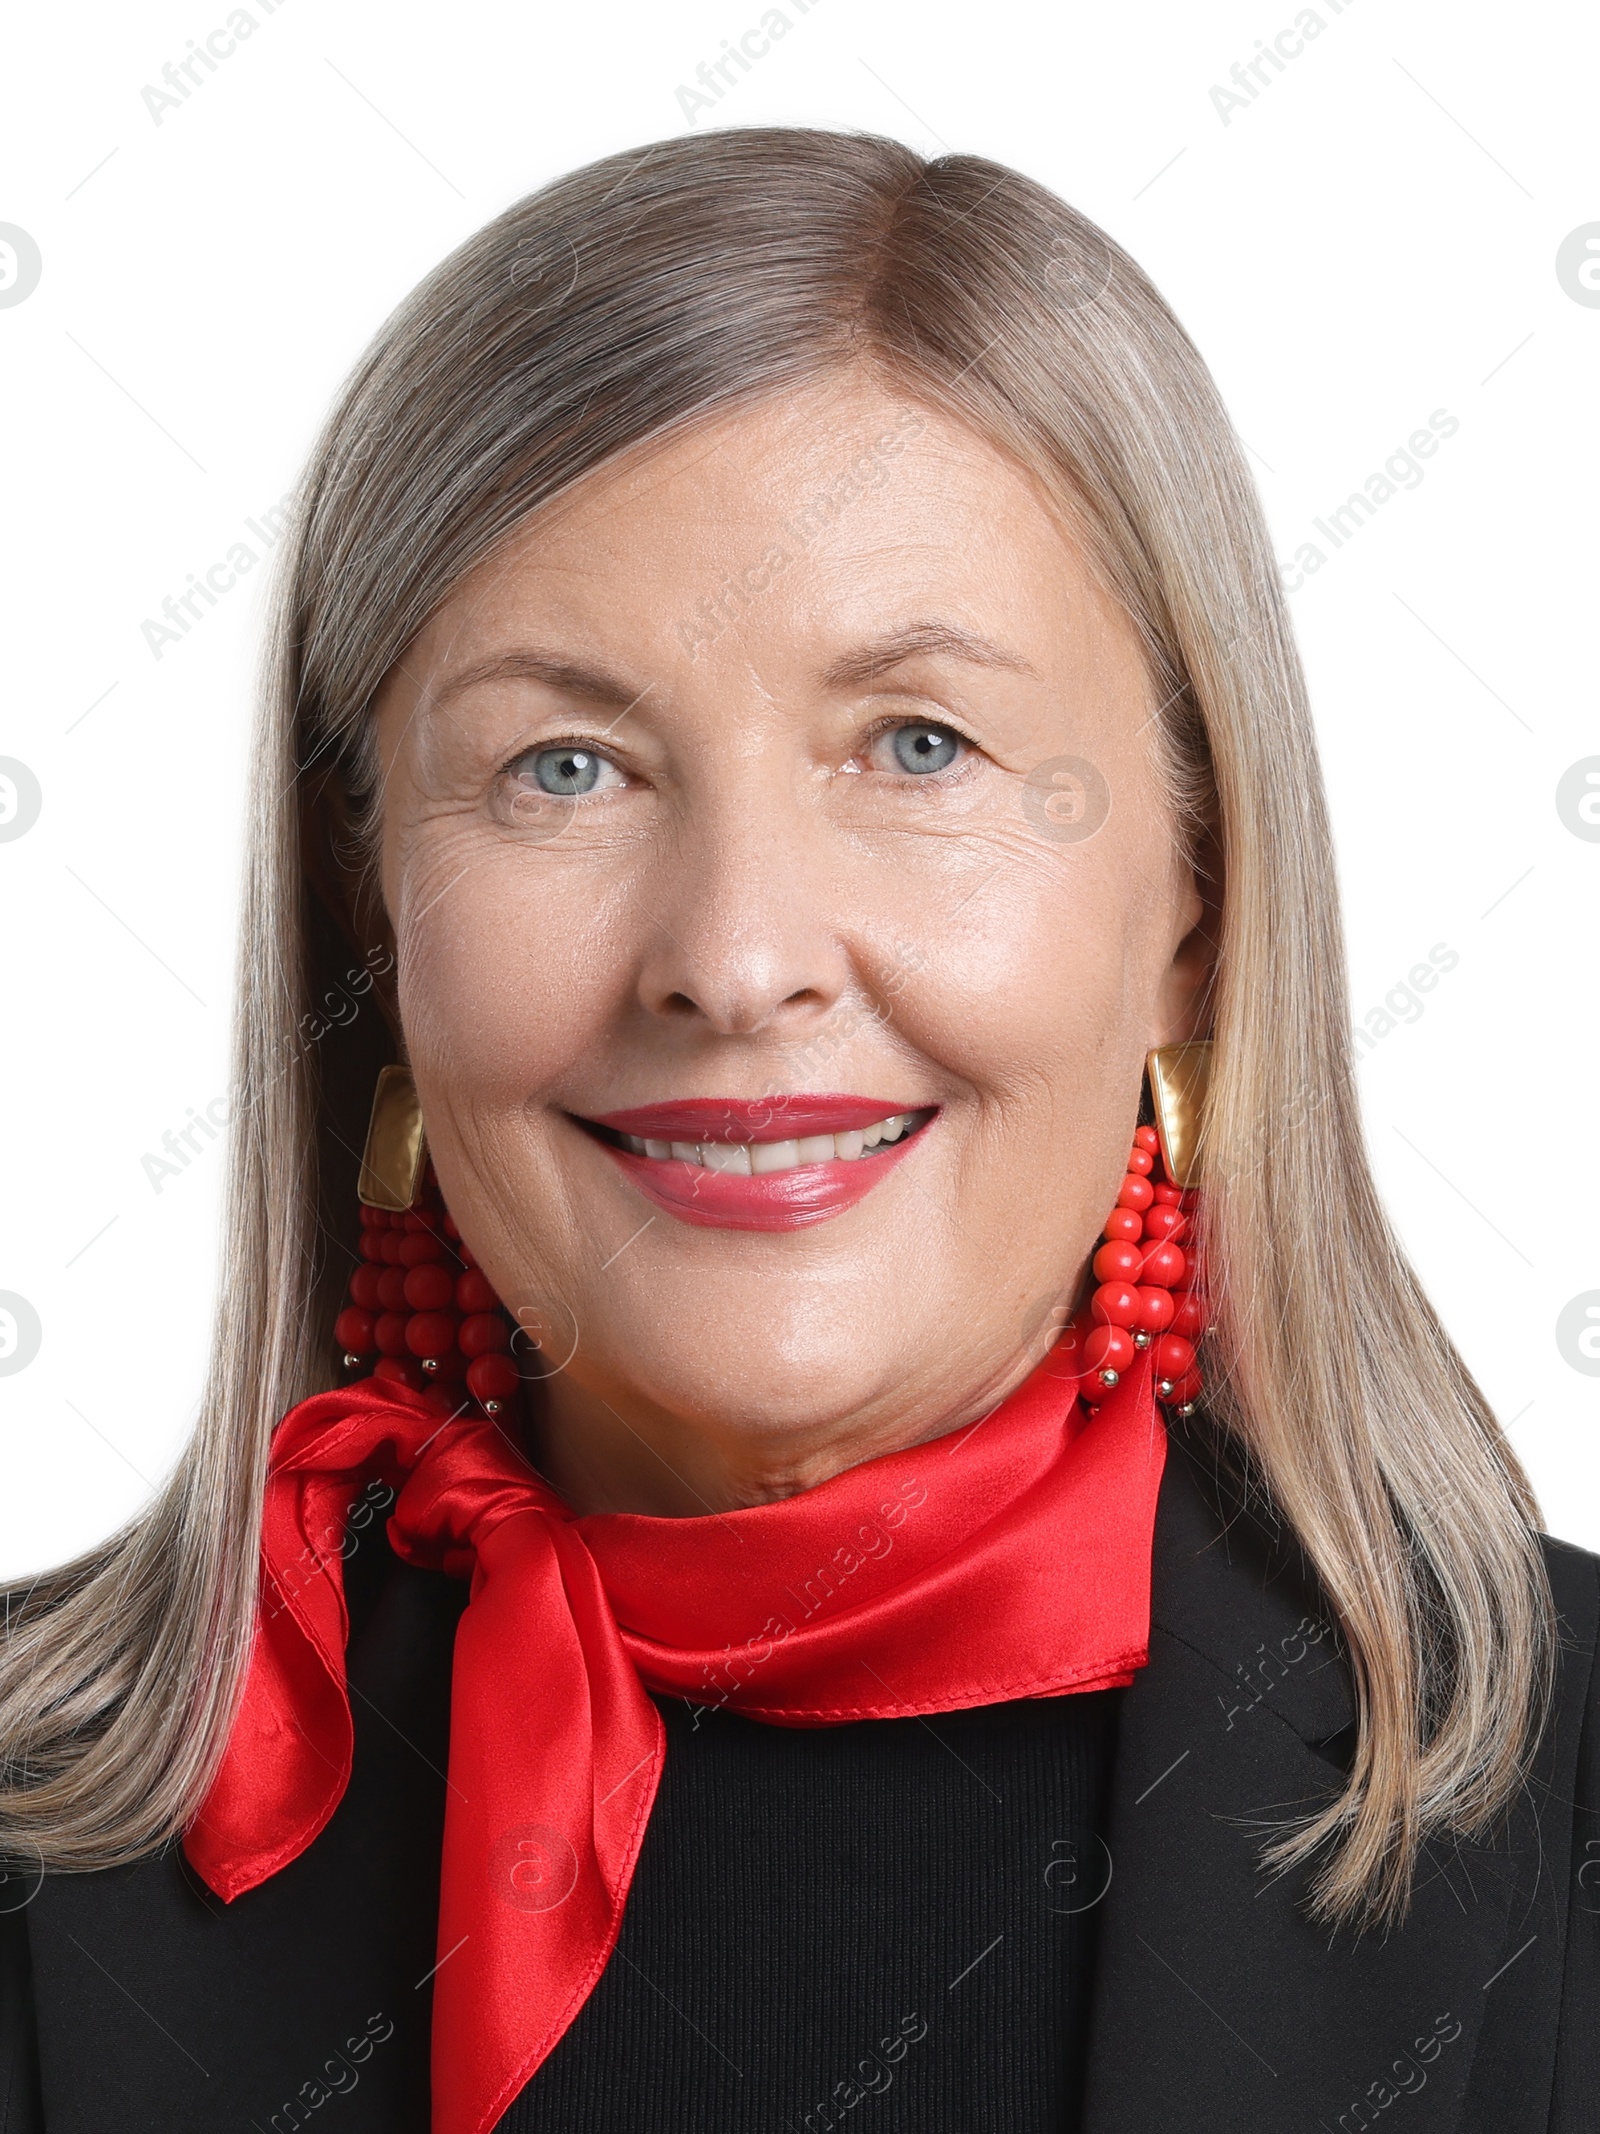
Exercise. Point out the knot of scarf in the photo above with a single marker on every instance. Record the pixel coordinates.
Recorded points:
(1007, 1559)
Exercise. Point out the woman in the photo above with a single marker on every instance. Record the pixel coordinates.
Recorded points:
(786, 734)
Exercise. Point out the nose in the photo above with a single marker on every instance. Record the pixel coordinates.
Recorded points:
(739, 922)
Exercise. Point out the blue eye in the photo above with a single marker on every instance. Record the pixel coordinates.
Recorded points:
(565, 771)
(925, 748)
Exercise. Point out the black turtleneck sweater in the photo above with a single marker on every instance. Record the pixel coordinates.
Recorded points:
(893, 1919)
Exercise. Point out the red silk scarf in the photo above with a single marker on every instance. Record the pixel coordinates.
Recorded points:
(1008, 1559)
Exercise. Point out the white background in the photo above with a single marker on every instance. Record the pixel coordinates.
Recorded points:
(1370, 239)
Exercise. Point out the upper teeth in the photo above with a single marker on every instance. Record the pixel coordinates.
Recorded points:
(761, 1157)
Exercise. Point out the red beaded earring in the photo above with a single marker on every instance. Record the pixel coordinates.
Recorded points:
(1146, 1294)
(421, 1311)
(1147, 1288)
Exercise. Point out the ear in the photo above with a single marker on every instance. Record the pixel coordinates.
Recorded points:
(1183, 1001)
(344, 881)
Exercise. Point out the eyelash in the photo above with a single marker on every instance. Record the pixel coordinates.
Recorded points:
(580, 742)
(873, 735)
(947, 726)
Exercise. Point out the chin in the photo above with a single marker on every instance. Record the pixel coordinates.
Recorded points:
(769, 1368)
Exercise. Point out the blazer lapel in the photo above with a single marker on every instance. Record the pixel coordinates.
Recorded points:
(1217, 2004)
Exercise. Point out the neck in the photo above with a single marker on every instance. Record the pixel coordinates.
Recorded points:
(607, 1449)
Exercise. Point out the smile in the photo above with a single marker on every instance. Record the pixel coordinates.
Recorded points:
(771, 1163)
(745, 1159)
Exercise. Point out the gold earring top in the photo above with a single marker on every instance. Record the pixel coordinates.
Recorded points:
(391, 1163)
(1180, 1076)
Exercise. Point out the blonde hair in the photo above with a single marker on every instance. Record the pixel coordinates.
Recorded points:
(642, 293)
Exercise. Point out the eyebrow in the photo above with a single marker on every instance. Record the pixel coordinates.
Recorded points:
(921, 640)
(864, 663)
(571, 677)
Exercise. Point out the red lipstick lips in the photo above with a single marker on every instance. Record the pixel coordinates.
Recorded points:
(743, 1199)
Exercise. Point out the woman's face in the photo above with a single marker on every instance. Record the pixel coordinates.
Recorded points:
(725, 818)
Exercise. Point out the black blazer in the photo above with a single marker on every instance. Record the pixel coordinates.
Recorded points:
(1217, 2006)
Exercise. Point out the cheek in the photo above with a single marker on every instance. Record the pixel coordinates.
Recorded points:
(1035, 978)
(506, 974)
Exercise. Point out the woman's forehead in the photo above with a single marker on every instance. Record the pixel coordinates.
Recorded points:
(719, 545)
